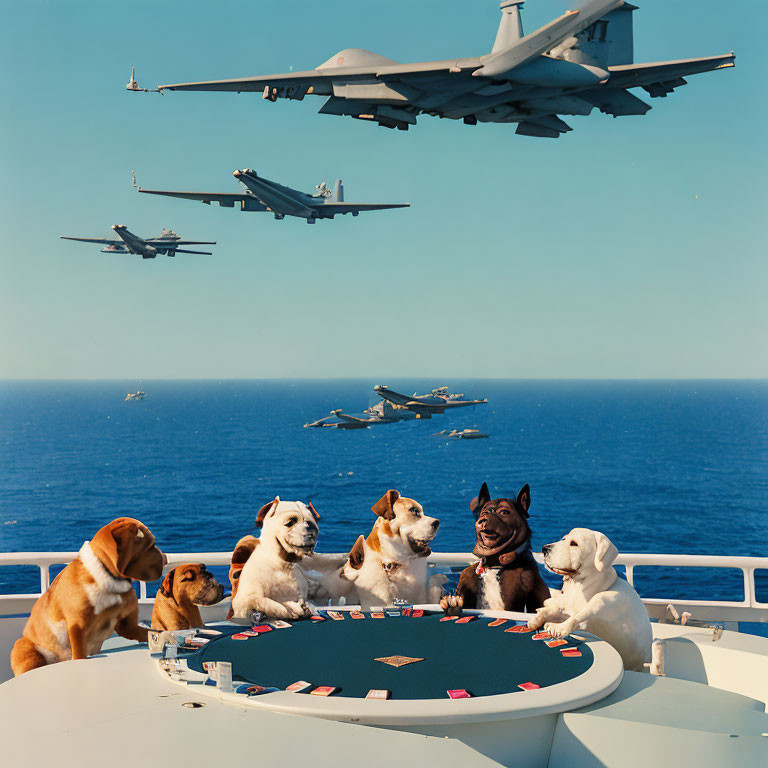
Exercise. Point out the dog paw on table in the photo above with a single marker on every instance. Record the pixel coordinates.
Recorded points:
(299, 609)
(452, 605)
(561, 629)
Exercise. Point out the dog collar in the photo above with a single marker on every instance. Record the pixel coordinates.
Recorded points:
(504, 560)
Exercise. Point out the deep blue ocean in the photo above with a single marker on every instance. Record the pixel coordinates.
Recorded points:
(666, 467)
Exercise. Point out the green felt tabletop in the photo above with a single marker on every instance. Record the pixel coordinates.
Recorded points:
(481, 659)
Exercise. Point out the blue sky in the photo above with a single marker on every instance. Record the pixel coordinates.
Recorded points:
(632, 247)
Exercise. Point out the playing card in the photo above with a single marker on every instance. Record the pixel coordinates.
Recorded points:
(406, 611)
(528, 686)
(336, 615)
(280, 624)
(459, 693)
(520, 628)
(556, 642)
(317, 618)
(449, 618)
(497, 622)
(324, 690)
(356, 615)
(299, 686)
(417, 613)
(261, 628)
(377, 615)
(393, 613)
(239, 636)
(541, 636)
(197, 642)
(249, 633)
(465, 619)
(377, 694)
(570, 653)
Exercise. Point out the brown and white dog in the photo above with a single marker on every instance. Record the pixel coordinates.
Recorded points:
(91, 598)
(182, 591)
(392, 562)
(270, 581)
(507, 577)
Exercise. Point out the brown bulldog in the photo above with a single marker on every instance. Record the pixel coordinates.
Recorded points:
(182, 590)
(506, 578)
(91, 598)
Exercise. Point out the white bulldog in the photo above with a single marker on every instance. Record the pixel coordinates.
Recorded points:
(594, 597)
(392, 562)
(271, 581)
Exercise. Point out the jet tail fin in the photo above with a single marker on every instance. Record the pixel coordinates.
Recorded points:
(510, 26)
(338, 192)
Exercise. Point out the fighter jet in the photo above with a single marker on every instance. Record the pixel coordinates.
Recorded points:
(381, 413)
(167, 242)
(581, 60)
(261, 194)
(439, 400)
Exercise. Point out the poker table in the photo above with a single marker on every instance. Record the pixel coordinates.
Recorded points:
(417, 659)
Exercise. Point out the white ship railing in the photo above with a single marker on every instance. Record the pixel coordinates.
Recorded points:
(730, 612)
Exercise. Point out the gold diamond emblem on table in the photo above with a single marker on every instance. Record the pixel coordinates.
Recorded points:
(398, 661)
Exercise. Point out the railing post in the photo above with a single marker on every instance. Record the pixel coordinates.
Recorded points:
(630, 571)
(142, 590)
(750, 598)
(45, 577)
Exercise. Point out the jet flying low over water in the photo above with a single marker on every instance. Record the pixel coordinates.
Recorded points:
(167, 242)
(581, 60)
(437, 401)
(260, 194)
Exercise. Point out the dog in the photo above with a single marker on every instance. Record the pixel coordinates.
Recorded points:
(182, 591)
(270, 581)
(392, 562)
(506, 578)
(91, 598)
(594, 597)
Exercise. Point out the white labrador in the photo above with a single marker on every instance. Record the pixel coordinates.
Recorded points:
(594, 597)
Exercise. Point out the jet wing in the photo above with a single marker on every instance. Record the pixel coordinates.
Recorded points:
(93, 240)
(662, 77)
(222, 198)
(174, 243)
(296, 85)
(352, 207)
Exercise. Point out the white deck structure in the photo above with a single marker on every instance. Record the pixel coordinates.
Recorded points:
(119, 708)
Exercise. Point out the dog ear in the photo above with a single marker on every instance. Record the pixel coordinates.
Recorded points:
(357, 553)
(127, 534)
(383, 507)
(265, 510)
(166, 588)
(482, 498)
(312, 509)
(190, 574)
(524, 499)
(605, 552)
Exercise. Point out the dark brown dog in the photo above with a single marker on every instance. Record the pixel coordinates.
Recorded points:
(91, 598)
(507, 577)
(182, 590)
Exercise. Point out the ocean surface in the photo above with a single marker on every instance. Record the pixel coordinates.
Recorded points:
(663, 467)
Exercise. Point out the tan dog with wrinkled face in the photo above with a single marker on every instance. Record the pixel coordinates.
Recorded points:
(91, 598)
(392, 562)
(182, 590)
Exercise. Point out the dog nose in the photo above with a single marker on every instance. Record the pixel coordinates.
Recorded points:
(435, 525)
(165, 559)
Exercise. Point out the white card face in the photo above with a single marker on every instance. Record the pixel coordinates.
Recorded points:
(280, 624)
(377, 694)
